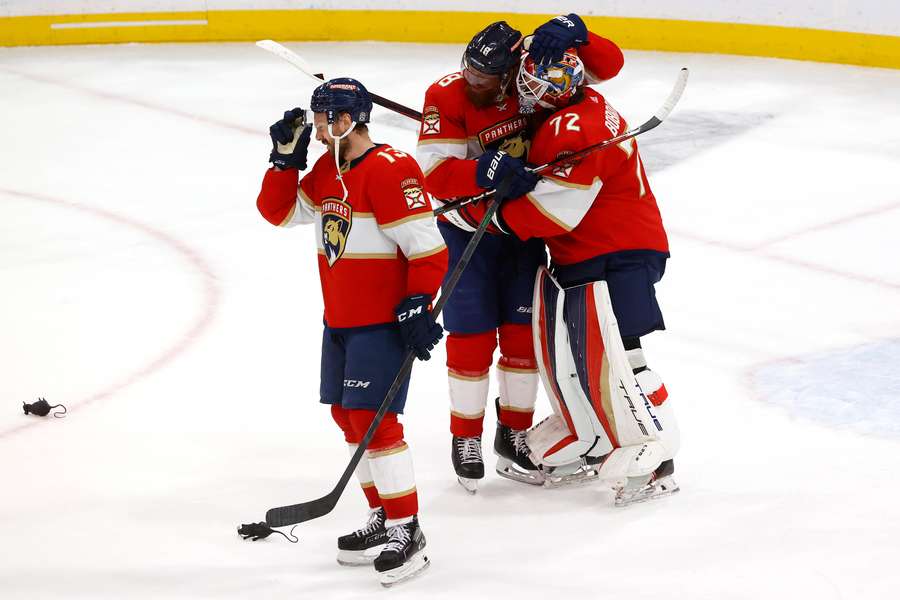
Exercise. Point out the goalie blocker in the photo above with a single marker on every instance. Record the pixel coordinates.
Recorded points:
(608, 423)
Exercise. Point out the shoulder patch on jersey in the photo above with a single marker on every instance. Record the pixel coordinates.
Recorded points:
(564, 169)
(431, 120)
(412, 191)
(337, 218)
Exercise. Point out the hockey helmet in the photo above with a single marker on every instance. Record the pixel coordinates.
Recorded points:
(494, 50)
(551, 86)
(342, 95)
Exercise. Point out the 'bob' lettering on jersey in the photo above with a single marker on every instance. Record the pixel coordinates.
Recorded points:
(337, 218)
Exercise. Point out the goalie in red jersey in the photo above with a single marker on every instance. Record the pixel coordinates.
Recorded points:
(381, 261)
(472, 119)
(601, 223)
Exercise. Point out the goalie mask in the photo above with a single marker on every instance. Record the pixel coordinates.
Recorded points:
(551, 86)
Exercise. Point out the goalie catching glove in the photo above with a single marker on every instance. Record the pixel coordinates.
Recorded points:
(417, 327)
(290, 140)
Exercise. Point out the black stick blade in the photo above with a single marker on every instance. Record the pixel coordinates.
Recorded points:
(304, 511)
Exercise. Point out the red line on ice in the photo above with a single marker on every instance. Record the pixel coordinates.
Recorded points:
(134, 101)
(794, 262)
(828, 225)
(210, 307)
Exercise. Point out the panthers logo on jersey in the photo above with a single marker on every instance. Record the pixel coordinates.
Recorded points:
(508, 135)
(517, 147)
(337, 218)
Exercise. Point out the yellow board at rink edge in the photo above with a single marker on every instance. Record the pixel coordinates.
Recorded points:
(445, 27)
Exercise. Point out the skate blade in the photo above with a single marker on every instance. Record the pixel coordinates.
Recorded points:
(470, 485)
(412, 569)
(572, 479)
(508, 469)
(659, 489)
(358, 558)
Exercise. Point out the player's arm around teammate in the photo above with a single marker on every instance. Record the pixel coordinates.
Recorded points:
(473, 133)
(601, 222)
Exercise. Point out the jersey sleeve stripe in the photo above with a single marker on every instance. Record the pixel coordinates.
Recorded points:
(572, 184)
(415, 217)
(364, 255)
(301, 195)
(564, 205)
(427, 253)
(416, 237)
(290, 217)
(430, 156)
(428, 141)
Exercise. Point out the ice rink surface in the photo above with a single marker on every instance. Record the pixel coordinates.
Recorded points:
(140, 287)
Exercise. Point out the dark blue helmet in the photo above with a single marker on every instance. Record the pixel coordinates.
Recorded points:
(342, 95)
(494, 50)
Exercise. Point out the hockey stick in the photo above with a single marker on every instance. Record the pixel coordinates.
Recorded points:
(313, 509)
(303, 66)
(651, 123)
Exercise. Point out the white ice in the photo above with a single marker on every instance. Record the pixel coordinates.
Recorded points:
(140, 287)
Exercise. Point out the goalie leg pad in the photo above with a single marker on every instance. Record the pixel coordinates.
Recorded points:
(598, 402)
(561, 333)
(651, 386)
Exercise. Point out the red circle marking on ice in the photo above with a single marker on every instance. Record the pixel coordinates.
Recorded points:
(197, 328)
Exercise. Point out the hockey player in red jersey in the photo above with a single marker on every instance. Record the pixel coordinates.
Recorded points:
(471, 119)
(601, 222)
(381, 261)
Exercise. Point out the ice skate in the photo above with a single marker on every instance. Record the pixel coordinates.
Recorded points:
(512, 456)
(468, 461)
(658, 484)
(403, 557)
(363, 545)
(581, 472)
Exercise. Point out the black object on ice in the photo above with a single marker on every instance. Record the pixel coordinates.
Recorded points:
(42, 408)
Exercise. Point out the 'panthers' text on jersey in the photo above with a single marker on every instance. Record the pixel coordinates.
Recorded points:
(454, 131)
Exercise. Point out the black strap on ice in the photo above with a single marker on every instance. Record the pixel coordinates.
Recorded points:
(260, 531)
(651, 123)
(313, 509)
(42, 408)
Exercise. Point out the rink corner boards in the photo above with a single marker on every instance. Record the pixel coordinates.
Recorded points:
(444, 27)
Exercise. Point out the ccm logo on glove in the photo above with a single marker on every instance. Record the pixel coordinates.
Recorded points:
(409, 314)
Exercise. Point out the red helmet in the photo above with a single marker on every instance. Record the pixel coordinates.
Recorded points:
(551, 86)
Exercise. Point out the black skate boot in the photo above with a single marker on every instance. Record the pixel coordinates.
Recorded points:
(467, 461)
(512, 454)
(658, 484)
(357, 549)
(403, 556)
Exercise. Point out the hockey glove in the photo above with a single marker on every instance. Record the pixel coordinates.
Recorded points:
(553, 38)
(290, 140)
(495, 166)
(417, 327)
